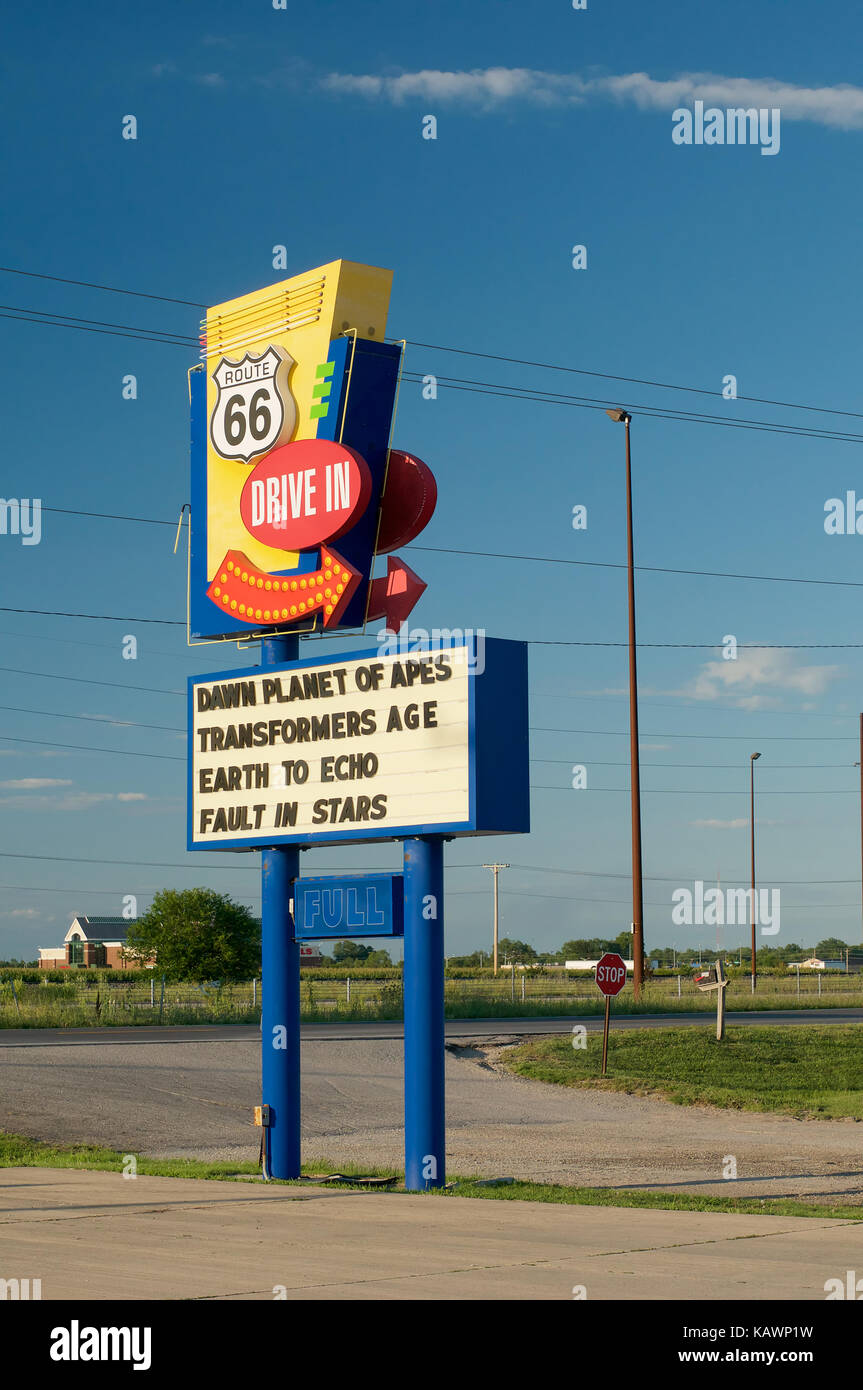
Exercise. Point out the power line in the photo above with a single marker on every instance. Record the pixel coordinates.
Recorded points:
(726, 767)
(464, 352)
(704, 791)
(97, 617)
(633, 380)
(84, 680)
(110, 289)
(95, 719)
(646, 569)
(497, 389)
(748, 738)
(179, 339)
(335, 868)
(106, 332)
(505, 555)
(87, 748)
(645, 411)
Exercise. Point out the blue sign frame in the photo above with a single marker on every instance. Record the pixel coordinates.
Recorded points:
(498, 751)
(326, 909)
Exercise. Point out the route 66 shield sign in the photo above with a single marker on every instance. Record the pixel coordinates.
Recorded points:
(254, 410)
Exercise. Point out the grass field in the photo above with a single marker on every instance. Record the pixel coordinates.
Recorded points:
(19, 1152)
(80, 1002)
(814, 1072)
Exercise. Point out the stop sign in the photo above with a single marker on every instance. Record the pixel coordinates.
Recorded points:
(611, 973)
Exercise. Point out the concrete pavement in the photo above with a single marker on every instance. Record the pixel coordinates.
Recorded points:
(90, 1235)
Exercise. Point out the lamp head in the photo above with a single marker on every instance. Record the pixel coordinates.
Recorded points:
(753, 756)
(619, 415)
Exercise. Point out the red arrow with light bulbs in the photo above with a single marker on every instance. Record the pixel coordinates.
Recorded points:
(259, 597)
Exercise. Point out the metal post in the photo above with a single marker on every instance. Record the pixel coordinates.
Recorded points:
(280, 983)
(720, 1000)
(635, 776)
(425, 1138)
(605, 1033)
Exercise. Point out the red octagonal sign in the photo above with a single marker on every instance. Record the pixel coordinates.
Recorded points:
(611, 973)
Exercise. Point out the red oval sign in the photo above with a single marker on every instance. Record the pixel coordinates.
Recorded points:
(306, 492)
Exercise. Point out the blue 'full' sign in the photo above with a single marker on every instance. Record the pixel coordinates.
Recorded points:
(362, 905)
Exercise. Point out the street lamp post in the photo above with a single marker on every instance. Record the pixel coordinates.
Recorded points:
(623, 417)
(752, 914)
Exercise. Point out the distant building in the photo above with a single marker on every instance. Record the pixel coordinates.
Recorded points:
(310, 955)
(811, 963)
(586, 965)
(91, 941)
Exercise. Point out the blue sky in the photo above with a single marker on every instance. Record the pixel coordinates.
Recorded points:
(303, 127)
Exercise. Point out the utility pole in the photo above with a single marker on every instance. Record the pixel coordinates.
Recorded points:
(496, 868)
(752, 758)
(860, 765)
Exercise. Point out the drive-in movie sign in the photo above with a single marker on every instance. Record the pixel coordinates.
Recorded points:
(370, 747)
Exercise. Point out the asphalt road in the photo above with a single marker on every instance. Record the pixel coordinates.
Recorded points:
(190, 1092)
(371, 1032)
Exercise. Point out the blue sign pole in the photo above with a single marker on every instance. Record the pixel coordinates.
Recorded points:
(280, 984)
(425, 1120)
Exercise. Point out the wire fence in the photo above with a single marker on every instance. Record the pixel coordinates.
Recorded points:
(81, 1002)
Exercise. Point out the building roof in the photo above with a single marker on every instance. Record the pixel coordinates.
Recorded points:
(99, 928)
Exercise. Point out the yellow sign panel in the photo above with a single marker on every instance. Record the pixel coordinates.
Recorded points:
(269, 381)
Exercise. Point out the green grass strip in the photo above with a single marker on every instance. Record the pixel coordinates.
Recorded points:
(16, 1151)
(811, 1073)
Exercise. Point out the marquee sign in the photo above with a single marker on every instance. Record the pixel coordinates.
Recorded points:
(360, 747)
(292, 413)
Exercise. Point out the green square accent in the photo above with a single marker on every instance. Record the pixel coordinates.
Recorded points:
(325, 369)
(317, 412)
(322, 388)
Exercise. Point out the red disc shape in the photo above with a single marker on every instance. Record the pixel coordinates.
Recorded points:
(408, 502)
(611, 973)
(304, 493)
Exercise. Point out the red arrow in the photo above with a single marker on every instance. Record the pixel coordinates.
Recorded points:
(394, 597)
(255, 596)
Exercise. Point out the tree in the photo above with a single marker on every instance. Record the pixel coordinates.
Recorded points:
(519, 951)
(197, 934)
(379, 958)
(350, 952)
(831, 949)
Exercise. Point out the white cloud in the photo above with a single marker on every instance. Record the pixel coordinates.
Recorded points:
(840, 106)
(34, 783)
(760, 677)
(74, 801)
(737, 824)
(21, 912)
